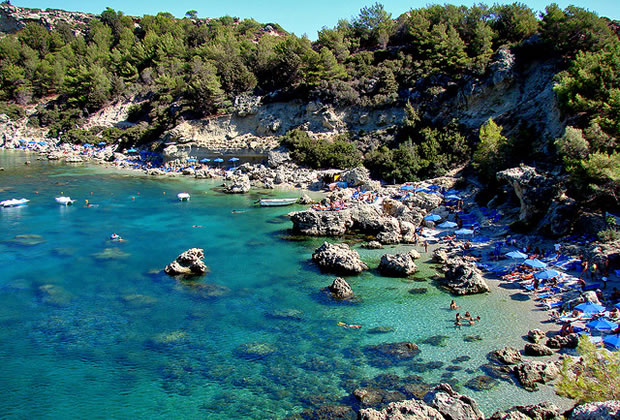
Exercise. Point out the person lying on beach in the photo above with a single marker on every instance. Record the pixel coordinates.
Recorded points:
(454, 306)
(567, 328)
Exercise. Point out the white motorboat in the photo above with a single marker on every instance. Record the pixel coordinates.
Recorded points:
(183, 196)
(65, 201)
(273, 202)
(14, 202)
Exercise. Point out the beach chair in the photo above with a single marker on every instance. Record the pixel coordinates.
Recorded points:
(552, 305)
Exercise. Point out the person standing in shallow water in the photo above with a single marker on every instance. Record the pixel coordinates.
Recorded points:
(425, 246)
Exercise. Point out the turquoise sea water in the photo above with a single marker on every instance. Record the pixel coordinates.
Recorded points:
(91, 328)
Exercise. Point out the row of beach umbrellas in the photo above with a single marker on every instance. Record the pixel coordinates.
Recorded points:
(217, 160)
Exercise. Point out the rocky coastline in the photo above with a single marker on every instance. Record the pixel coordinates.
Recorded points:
(389, 215)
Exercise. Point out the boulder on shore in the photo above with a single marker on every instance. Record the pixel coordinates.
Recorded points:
(398, 265)
(339, 259)
(531, 373)
(453, 405)
(340, 289)
(535, 349)
(402, 410)
(542, 411)
(188, 263)
(462, 277)
(606, 410)
(321, 223)
(508, 355)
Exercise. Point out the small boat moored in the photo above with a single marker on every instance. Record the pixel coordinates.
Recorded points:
(14, 202)
(183, 196)
(65, 201)
(273, 202)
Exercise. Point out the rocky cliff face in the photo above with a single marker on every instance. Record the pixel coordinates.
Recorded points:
(13, 18)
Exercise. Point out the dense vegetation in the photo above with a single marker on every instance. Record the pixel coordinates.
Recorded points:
(595, 376)
(192, 68)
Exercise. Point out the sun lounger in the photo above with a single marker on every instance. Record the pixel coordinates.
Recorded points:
(552, 305)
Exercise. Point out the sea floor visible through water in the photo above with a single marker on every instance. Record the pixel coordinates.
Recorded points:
(93, 328)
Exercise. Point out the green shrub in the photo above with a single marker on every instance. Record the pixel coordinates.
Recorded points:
(609, 235)
(595, 378)
(319, 153)
(14, 112)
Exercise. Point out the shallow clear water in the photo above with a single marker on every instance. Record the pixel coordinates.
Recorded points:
(93, 328)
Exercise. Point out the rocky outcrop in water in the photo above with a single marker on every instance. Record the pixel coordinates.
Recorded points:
(239, 184)
(321, 223)
(462, 277)
(188, 263)
(398, 265)
(340, 289)
(339, 259)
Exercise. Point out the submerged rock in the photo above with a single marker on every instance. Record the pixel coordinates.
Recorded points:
(110, 254)
(290, 314)
(387, 354)
(380, 330)
(482, 383)
(340, 289)
(26, 240)
(338, 258)
(373, 245)
(189, 263)
(255, 350)
(52, 294)
(399, 265)
(436, 340)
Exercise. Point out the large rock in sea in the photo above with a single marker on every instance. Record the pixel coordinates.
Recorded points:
(462, 277)
(402, 410)
(321, 223)
(453, 405)
(531, 373)
(339, 259)
(398, 265)
(188, 263)
(606, 410)
(340, 289)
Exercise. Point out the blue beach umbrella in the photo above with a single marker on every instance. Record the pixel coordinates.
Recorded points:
(22, 141)
(602, 325)
(87, 145)
(218, 160)
(535, 263)
(547, 274)
(434, 187)
(407, 187)
(32, 142)
(464, 232)
(191, 160)
(590, 308)
(432, 217)
(612, 341)
(454, 192)
(517, 255)
(42, 143)
(447, 225)
(101, 143)
(617, 305)
(233, 159)
(452, 197)
(132, 150)
(205, 160)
